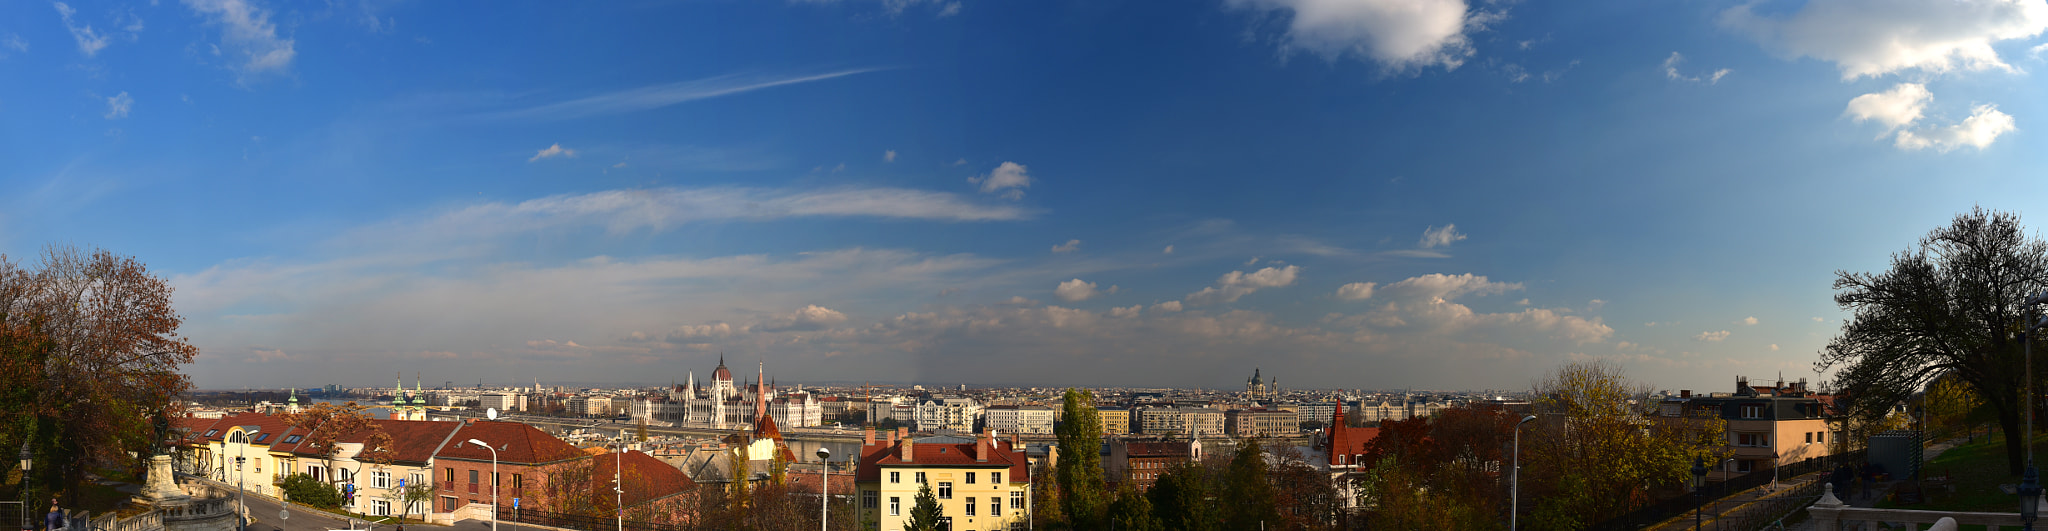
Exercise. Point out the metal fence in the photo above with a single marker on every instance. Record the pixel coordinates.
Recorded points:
(1711, 496)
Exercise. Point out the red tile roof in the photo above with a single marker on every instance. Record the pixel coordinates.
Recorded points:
(1348, 441)
(516, 443)
(943, 455)
(647, 478)
(412, 441)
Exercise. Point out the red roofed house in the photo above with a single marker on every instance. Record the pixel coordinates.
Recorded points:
(982, 484)
(654, 489)
(1344, 448)
(379, 476)
(524, 455)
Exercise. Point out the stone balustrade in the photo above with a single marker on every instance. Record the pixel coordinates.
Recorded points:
(1830, 514)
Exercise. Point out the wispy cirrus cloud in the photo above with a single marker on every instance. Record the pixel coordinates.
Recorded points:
(247, 37)
(663, 95)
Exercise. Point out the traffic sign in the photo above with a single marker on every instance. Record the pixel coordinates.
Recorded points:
(284, 514)
(515, 503)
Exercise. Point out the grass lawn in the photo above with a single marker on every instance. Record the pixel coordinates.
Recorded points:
(1977, 468)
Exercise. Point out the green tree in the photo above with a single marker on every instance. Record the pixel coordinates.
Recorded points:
(1080, 465)
(306, 490)
(1180, 498)
(1607, 456)
(1131, 511)
(1953, 303)
(1245, 485)
(924, 516)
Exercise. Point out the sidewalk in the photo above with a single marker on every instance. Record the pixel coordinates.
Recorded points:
(1743, 503)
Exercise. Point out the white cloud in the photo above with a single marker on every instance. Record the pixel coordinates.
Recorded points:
(1523, 302)
(1169, 250)
(247, 35)
(90, 41)
(1167, 307)
(1711, 336)
(1075, 290)
(1895, 108)
(1984, 125)
(1904, 105)
(1748, 321)
(1355, 291)
(1126, 312)
(1009, 176)
(1399, 34)
(1236, 284)
(658, 96)
(952, 8)
(690, 333)
(1878, 37)
(1433, 237)
(1817, 319)
(119, 105)
(1671, 71)
(1070, 246)
(1774, 347)
(552, 151)
(620, 211)
(810, 318)
(1446, 287)
(889, 156)
(14, 42)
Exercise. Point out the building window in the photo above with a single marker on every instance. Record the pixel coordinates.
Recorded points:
(380, 479)
(1820, 437)
(472, 476)
(970, 478)
(970, 506)
(996, 478)
(895, 506)
(494, 479)
(1752, 411)
(895, 477)
(1752, 439)
(448, 503)
(995, 507)
(380, 508)
(945, 490)
(418, 479)
(920, 478)
(868, 499)
(1745, 465)
(1809, 437)
(1017, 499)
(451, 475)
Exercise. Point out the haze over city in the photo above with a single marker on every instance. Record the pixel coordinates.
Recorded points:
(1015, 193)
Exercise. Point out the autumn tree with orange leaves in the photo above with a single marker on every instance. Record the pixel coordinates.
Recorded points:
(89, 357)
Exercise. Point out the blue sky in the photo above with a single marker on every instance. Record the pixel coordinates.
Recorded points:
(1344, 193)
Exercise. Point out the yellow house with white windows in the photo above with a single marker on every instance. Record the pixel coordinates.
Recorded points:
(982, 484)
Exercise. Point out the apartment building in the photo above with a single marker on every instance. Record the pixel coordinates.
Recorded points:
(982, 484)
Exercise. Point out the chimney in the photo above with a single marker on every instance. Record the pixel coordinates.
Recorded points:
(981, 445)
(1013, 442)
(869, 439)
(892, 438)
(1685, 393)
(909, 453)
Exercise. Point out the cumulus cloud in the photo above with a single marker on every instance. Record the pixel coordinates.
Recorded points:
(1236, 284)
(1169, 250)
(1711, 336)
(1900, 108)
(1426, 304)
(1070, 246)
(889, 156)
(1895, 108)
(1433, 237)
(1355, 291)
(1009, 179)
(1126, 312)
(1878, 37)
(1774, 347)
(1398, 34)
(1167, 307)
(1748, 321)
(118, 105)
(1446, 287)
(810, 318)
(1984, 125)
(90, 41)
(691, 333)
(552, 151)
(1075, 290)
(248, 38)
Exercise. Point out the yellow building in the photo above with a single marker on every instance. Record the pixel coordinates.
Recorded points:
(982, 484)
(1115, 420)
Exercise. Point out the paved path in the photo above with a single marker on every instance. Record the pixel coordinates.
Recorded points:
(1735, 504)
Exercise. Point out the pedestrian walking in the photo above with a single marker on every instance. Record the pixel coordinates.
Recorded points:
(55, 520)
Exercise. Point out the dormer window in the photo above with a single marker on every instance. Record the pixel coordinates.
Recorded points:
(210, 433)
(293, 439)
(262, 437)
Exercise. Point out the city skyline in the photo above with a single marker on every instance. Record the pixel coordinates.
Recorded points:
(1398, 193)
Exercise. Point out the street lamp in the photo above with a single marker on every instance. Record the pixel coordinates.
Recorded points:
(241, 499)
(1699, 482)
(619, 482)
(2030, 498)
(494, 481)
(824, 486)
(1515, 477)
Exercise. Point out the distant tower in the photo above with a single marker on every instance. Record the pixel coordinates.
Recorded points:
(292, 404)
(760, 392)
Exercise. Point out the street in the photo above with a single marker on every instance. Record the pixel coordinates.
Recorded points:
(263, 517)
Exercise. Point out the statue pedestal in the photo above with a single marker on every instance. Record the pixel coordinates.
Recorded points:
(160, 488)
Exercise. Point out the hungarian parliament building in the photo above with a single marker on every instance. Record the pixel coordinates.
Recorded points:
(726, 406)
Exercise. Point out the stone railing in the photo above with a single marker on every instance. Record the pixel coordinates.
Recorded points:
(149, 521)
(200, 509)
(1830, 514)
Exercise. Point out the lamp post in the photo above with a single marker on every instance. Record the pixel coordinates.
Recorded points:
(494, 481)
(824, 486)
(619, 483)
(1515, 478)
(241, 499)
(1699, 482)
(2030, 483)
